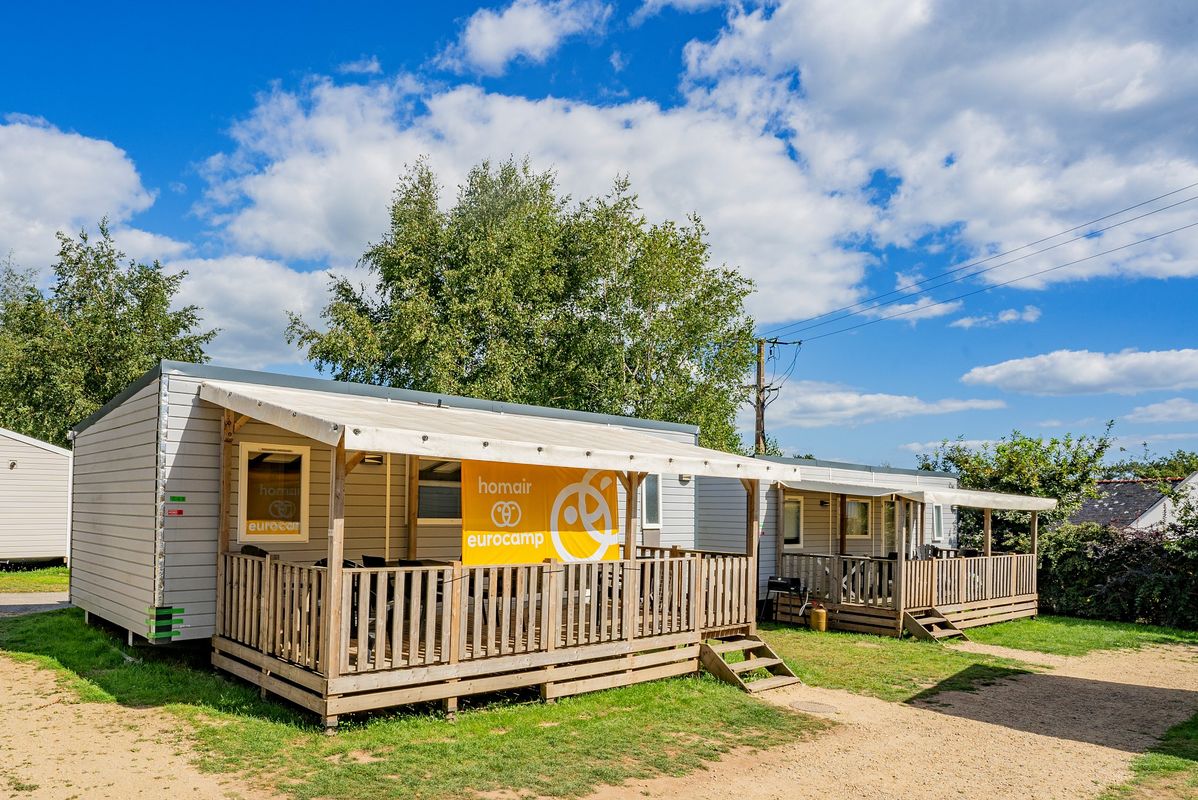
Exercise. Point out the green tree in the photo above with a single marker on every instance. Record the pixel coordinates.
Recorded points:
(1065, 468)
(515, 294)
(1177, 464)
(104, 321)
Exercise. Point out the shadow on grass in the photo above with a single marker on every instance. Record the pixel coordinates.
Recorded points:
(1121, 716)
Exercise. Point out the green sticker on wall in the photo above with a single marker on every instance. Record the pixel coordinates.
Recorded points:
(178, 498)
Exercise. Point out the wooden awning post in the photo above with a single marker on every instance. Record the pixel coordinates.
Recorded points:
(752, 536)
(632, 489)
(335, 649)
(413, 504)
(387, 507)
(900, 531)
(843, 508)
(1035, 532)
(986, 515)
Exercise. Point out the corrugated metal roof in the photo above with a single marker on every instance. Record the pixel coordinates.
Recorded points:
(377, 424)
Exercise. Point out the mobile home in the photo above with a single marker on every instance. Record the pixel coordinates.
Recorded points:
(352, 547)
(878, 547)
(35, 488)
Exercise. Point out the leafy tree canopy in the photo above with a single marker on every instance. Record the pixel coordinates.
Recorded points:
(1064, 468)
(1177, 464)
(515, 294)
(105, 321)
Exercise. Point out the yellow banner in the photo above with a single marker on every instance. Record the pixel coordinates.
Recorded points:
(519, 514)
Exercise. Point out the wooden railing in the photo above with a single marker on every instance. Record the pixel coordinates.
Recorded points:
(645, 551)
(405, 617)
(858, 580)
(275, 607)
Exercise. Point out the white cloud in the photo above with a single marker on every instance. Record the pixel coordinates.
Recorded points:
(814, 404)
(527, 29)
(248, 299)
(1066, 372)
(927, 447)
(313, 172)
(1003, 124)
(366, 65)
(1177, 409)
(1004, 317)
(651, 8)
(923, 308)
(52, 180)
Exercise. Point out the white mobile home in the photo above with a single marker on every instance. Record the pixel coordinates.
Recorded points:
(351, 547)
(877, 546)
(35, 486)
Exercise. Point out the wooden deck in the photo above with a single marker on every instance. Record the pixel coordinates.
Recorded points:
(871, 595)
(415, 634)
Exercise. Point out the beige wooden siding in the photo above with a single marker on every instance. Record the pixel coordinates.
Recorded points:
(34, 483)
(114, 516)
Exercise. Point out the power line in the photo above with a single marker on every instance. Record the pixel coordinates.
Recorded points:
(788, 326)
(986, 269)
(999, 285)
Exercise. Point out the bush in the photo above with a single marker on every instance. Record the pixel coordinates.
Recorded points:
(1127, 575)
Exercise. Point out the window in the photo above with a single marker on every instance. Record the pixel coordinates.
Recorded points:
(651, 501)
(937, 523)
(272, 493)
(856, 515)
(792, 524)
(439, 495)
(889, 531)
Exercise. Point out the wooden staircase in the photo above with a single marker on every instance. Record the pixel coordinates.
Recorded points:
(931, 624)
(750, 672)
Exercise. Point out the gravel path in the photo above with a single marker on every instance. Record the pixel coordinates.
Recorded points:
(1067, 732)
(54, 748)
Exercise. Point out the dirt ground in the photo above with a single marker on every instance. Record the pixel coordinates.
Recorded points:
(1067, 732)
(53, 747)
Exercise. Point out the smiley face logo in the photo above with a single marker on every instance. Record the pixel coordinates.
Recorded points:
(506, 514)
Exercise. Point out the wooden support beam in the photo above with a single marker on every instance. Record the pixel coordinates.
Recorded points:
(1035, 532)
(227, 429)
(240, 422)
(780, 527)
(843, 507)
(354, 460)
(334, 647)
(387, 507)
(900, 564)
(986, 531)
(752, 532)
(413, 506)
(632, 490)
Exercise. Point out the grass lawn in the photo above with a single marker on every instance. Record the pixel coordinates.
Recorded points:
(561, 750)
(47, 579)
(1170, 769)
(891, 669)
(1070, 636)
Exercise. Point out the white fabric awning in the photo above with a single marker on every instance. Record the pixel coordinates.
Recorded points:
(854, 489)
(375, 424)
(969, 498)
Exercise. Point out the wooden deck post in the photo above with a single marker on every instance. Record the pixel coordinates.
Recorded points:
(780, 529)
(697, 609)
(552, 598)
(629, 583)
(452, 594)
(752, 531)
(334, 646)
(228, 419)
(413, 505)
(900, 563)
(986, 515)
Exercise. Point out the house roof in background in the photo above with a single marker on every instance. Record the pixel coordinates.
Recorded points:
(1122, 502)
(881, 470)
(29, 440)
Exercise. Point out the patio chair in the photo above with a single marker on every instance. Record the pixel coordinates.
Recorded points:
(251, 550)
(373, 562)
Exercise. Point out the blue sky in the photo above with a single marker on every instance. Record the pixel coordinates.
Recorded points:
(836, 151)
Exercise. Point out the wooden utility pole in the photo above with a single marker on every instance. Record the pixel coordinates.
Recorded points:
(759, 400)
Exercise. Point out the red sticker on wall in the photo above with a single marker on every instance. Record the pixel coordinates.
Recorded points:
(174, 512)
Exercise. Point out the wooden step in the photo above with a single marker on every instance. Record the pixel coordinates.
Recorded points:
(931, 619)
(944, 633)
(776, 682)
(750, 664)
(736, 645)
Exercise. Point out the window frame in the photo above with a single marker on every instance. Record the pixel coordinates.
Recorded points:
(787, 547)
(420, 520)
(869, 517)
(243, 479)
(644, 506)
(937, 523)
